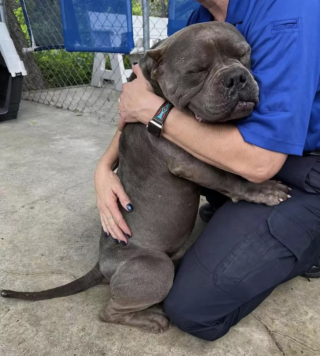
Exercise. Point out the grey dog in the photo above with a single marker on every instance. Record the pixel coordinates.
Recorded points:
(203, 70)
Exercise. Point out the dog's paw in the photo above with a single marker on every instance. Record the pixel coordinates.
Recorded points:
(152, 321)
(156, 323)
(270, 193)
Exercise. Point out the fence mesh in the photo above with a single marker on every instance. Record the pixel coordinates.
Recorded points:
(85, 82)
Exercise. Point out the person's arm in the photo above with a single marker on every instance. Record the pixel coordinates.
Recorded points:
(108, 191)
(110, 157)
(220, 145)
(285, 61)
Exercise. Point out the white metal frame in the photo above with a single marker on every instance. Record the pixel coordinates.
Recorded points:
(118, 74)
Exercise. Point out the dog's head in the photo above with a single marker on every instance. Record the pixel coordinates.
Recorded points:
(204, 69)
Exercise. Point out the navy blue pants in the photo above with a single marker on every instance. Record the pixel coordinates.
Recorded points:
(245, 251)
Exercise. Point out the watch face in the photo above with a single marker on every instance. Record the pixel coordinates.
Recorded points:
(154, 128)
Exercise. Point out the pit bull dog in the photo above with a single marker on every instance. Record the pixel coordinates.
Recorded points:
(203, 70)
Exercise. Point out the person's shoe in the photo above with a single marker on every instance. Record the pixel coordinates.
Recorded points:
(206, 212)
(313, 272)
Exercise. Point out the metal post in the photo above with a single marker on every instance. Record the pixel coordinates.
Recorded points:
(3, 17)
(146, 30)
(163, 9)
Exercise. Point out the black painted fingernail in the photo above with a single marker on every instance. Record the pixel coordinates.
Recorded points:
(135, 63)
(116, 241)
(129, 208)
(124, 243)
(106, 234)
(128, 236)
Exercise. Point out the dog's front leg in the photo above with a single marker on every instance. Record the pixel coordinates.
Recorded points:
(233, 186)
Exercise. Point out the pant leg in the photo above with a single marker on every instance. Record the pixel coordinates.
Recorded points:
(245, 251)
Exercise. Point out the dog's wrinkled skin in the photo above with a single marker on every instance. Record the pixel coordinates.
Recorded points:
(204, 70)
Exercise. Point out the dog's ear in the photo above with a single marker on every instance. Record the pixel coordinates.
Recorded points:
(151, 66)
(156, 54)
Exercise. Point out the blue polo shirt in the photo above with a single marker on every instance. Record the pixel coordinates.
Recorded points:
(284, 36)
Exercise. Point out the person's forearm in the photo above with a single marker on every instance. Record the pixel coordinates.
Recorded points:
(222, 145)
(201, 139)
(111, 156)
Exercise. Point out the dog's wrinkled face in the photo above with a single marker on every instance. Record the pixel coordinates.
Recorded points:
(204, 69)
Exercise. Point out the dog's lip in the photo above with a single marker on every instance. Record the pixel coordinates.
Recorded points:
(198, 118)
(244, 106)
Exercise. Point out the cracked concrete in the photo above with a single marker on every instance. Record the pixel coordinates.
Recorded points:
(49, 232)
(270, 333)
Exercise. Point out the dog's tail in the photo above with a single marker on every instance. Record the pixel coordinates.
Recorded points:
(87, 281)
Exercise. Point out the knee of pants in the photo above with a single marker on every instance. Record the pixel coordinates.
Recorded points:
(184, 315)
(179, 314)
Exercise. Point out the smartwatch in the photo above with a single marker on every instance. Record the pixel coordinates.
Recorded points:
(155, 125)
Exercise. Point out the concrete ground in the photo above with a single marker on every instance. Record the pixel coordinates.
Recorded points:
(49, 231)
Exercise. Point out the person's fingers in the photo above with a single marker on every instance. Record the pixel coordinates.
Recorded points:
(116, 225)
(118, 218)
(116, 232)
(104, 226)
(137, 71)
(123, 198)
(122, 121)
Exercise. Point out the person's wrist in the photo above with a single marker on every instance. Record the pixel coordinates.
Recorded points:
(111, 166)
(105, 163)
(152, 107)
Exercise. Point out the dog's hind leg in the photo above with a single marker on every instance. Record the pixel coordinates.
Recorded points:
(138, 284)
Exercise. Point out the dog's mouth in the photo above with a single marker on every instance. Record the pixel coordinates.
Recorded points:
(242, 109)
(198, 118)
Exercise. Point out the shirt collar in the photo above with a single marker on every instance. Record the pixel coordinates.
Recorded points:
(237, 10)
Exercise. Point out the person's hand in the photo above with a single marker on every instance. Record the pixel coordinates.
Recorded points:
(108, 191)
(137, 103)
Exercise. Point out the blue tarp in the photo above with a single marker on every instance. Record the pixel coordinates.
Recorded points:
(92, 25)
(179, 13)
(97, 25)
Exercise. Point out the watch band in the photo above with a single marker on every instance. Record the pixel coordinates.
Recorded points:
(156, 123)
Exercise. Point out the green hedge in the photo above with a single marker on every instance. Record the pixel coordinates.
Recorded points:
(60, 68)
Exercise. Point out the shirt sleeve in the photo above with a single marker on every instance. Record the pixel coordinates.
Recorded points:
(286, 65)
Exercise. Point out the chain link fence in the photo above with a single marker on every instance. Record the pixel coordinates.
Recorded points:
(85, 82)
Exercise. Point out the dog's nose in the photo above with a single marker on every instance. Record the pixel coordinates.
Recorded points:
(235, 79)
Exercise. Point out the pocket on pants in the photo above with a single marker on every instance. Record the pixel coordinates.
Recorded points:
(290, 232)
(240, 261)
